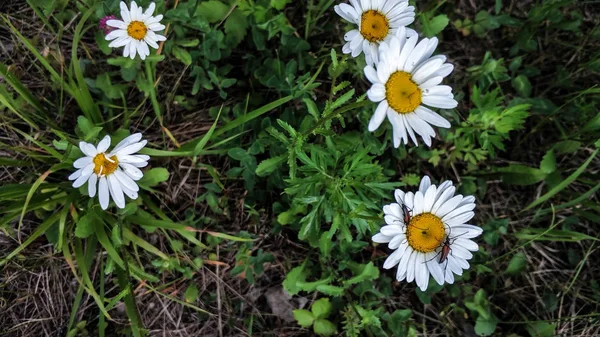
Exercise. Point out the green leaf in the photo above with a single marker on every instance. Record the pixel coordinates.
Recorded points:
(548, 164)
(238, 153)
(435, 25)
(592, 125)
(188, 43)
(286, 218)
(330, 290)
(369, 272)
(517, 264)
(154, 177)
(324, 327)
(191, 293)
(85, 226)
(88, 130)
(325, 244)
(521, 175)
(279, 4)
(268, 166)
(295, 275)
(212, 10)
(522, 85)
(550, 302)
(182, 55)
(397, 319)
(236, 27)
(304, 317)
(541, 329)
(485, 327)
(312, 286)
(321, 308)
(567, 146)
(498, 6)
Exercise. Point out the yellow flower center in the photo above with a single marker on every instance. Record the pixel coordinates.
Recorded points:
(402, 94)
(137, 30)
(104, 166)
(374, 26)
(425, 232)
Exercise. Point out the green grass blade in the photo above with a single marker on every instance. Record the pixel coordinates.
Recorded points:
(127, 234)
(252, 115)
(563, 184)
(108, 246)
(200, 146)
(130, 306)
(7, 101)
(83, 267)
(32, 190)
(44, 226)
(56, 77)
(540, 234)
(82, 94)
(21, 89)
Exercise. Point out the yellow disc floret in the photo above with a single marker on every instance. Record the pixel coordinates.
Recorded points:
(374, 26)
(402, 94)
(425, 232)
(137, 30)
(104, 166)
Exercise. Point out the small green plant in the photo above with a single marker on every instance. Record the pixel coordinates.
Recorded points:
(317, 318)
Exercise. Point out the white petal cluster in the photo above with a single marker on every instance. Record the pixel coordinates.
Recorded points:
(136, 31)
(113, 174)
(406, 54)
(397, 13)
(453, 210)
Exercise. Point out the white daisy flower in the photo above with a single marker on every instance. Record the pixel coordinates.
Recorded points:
(116, 171)
(136, 30)
(377, 21)
(408, 78)
(436, 217)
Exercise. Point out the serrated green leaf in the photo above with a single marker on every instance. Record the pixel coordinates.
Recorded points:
(304, 317)
(321, 308)
(330, 290)
(268, 166)
(548, 164)
(369, 272)
(295, 275)
(311, 106)
(324, 327)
